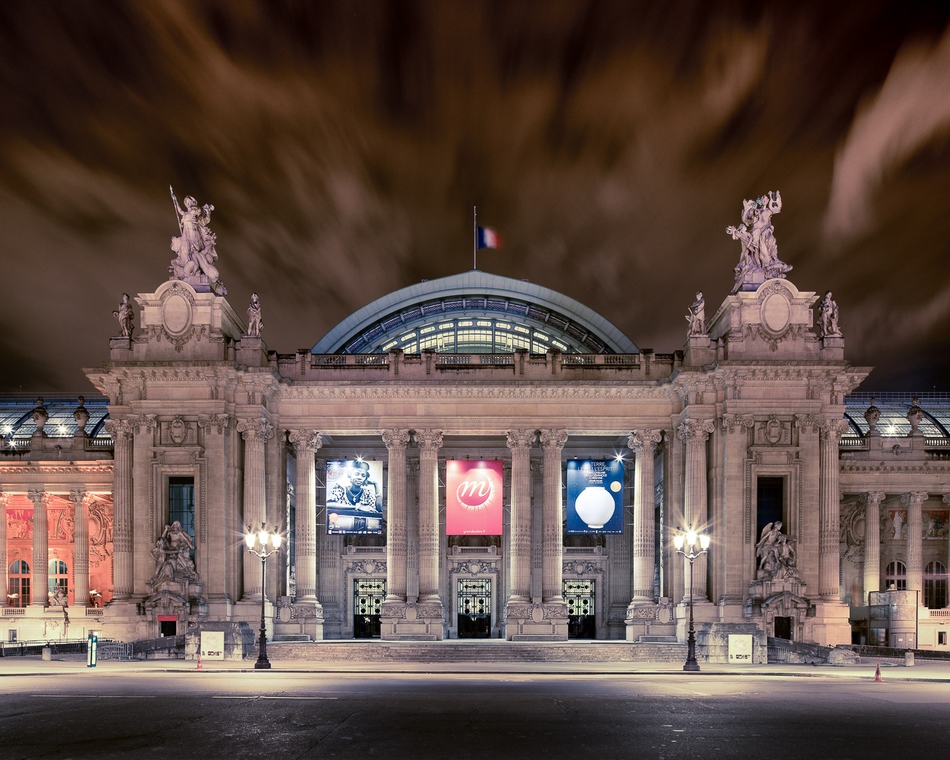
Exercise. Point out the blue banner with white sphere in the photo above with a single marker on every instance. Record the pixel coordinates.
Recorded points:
(594, 496)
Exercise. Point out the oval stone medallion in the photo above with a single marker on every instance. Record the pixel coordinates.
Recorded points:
(176, 314)
(775, 312)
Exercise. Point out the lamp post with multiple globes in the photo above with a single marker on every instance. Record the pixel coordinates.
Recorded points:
(692, 546)
(263, 543)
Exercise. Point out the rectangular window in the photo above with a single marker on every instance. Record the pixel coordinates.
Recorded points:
(941, 638)
(181, 505)
(770, 502)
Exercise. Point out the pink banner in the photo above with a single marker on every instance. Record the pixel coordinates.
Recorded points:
(474, 498)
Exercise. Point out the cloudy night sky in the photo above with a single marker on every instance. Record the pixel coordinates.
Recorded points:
(344, 144)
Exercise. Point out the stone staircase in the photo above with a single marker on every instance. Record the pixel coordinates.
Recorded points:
(482, 651)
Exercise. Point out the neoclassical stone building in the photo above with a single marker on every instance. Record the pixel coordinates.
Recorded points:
(461, 396)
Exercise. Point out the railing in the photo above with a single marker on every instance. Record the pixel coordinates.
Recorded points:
(106, 649)
(14, 611)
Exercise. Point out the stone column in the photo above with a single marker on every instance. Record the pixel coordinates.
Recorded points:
(121, 432)
(4, 580)
(256, 433)
(520, 442)
(872, 543)
(829, 576)
(306, 443)
(80, 500)
(40, 575)
(397, 515)
(552, 443)
(694, 434)
(915, 541)
(412, 529)
(643, 443)
(430, 441)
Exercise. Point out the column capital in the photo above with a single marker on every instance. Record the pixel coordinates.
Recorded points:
(737, 422)
(812, 422)
(38, 497)
(874, 498)
(644, 441)
(914, 498)
(121, 428)
(305, 441)
(78, 495)
(429, 440)
(255, 429)
(219, 421)
(146, 422)
(695, 430)
(945, 498)
(396, 439)
(553, 440)
(833, 428)
(521, 439)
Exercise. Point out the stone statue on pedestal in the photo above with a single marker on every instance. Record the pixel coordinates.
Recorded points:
(697, 315)
(125, 315)
(255, 323)
(828, 317)
(759, 259)
(195, 248)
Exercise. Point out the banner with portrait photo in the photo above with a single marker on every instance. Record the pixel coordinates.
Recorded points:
(594, 496)
(355, 497)
(474, 498)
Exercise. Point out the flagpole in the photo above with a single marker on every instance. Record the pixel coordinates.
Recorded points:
(474, 237)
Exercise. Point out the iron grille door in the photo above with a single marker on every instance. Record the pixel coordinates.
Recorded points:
(580, 597)
(368, 595)
(474, 608)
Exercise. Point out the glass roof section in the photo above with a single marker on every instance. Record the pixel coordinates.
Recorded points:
(475, 313)
(894, 407)
(16, 417)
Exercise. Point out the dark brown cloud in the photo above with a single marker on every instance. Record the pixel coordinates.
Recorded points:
(344, 145)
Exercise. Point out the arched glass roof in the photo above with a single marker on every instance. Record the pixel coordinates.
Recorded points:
(475, 313)
(894, 408)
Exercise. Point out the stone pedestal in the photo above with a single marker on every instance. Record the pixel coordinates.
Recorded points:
(412, 621)
(251, 351)
(120, 349)
(832, 348)
(298, 621)
(536, 621)
(830, 626)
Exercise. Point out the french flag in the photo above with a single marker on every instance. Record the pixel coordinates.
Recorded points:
(487, 238)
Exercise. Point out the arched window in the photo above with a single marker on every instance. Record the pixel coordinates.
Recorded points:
(935, 585)
(895, 575)
(19, 593)
(58, 577)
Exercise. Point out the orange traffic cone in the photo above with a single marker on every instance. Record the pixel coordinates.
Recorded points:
(201, 668)
(877, 674)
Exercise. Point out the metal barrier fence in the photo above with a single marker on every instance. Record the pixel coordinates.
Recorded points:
(107, 649)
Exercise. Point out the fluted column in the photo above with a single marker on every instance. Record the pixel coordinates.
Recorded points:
(520, 442)
(306, 443)
(122, 557)
(694, 434)
(256, 433)
(829, 576)
(872, 544)
(915, 535)
(397, 515)
(430, 441)
(40, 577)
(80, 501)
(552, 587)
(4, 579)
(643, 443)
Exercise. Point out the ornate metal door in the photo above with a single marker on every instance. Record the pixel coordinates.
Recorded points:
(474, 608)
(368, 595)
(582, 618)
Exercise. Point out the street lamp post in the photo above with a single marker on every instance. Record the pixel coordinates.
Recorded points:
(263, 543)
(692, 546)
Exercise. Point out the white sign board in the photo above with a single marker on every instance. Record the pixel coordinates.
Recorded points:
(212, 645)
(740, 648)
